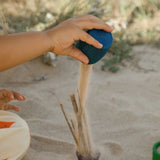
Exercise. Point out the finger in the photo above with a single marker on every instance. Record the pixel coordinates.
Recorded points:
(77, 54)
(10, 95)
(2, 93)
(7, 95)
(84, 36)
(85, 24)
(18, 96)
(92, 22)
(11, 107)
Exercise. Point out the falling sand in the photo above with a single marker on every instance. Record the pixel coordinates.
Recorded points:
(79, 124)
(86, 144)
(85, 71)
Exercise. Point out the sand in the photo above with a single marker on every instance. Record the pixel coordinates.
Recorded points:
(123, 108)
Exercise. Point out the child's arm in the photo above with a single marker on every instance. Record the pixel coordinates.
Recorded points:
(19, 48)
(7, 96)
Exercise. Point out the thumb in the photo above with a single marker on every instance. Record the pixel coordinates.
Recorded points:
(74, 52)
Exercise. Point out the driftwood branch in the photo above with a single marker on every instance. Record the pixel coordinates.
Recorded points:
(68, 123)
(79, 124)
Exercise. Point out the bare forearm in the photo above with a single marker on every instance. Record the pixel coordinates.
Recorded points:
(18, 48)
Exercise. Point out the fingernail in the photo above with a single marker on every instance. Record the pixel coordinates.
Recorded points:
(18, 109)
(100, 45)
(86, 61)
(12, 97)
(111, 28)
(24, 97)
(21, 97)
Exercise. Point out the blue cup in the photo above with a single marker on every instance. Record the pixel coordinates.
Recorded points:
(95, 54)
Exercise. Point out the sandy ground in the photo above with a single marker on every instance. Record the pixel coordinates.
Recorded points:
(123, 108)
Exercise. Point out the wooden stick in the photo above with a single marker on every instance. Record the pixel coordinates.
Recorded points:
(73, 122)
(68, 124)
(74, 103)
(81, 142)
(85, 126)
(70, 128)
(79, 123)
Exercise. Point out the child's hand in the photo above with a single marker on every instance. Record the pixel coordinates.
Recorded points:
(66, 33)
(60, 39)
(7, 96)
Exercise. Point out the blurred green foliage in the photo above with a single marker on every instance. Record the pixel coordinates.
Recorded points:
(119, 51)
